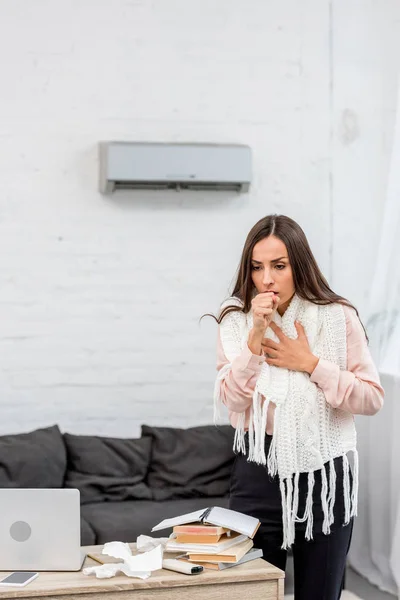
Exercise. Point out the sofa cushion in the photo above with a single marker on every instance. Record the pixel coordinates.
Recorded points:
(88, 537)
(125, 521)
(190, 462)
(107, 469)
(33, 460)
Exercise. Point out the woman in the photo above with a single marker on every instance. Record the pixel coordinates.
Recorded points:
(294, 367)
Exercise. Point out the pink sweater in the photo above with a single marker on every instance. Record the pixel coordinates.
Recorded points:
(357, 390)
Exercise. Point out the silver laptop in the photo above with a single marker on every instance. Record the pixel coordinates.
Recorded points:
(40, 530)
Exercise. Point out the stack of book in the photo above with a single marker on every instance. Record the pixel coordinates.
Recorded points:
(216, 538)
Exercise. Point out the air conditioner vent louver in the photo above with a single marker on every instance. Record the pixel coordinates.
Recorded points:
(162, 166)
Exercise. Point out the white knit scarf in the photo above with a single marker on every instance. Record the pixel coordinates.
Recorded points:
(308, 432)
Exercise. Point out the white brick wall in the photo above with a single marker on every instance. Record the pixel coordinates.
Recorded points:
(100, 297)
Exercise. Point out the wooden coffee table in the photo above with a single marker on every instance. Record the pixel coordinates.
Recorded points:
(257, 580)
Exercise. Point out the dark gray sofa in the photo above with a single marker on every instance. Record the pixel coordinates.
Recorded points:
(126, 485)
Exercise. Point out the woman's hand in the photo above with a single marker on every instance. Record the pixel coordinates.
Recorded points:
(263, 306)
(290, 354)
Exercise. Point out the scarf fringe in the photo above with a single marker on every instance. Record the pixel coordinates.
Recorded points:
(289, 486)
(295, 507)
(257, 427)
(354, 492)
(217, 392)
(272, 454)
(309, 506)
(259, 434)
(285, 515)
(332, 490)
(239, 445)
(289, 489)
(251, 437)
(324, 501)
(346, 489)
(264, 414)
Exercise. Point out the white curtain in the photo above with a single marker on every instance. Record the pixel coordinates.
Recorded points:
(375, 550)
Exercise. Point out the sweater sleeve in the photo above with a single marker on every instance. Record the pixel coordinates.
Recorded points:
(238, 385)
(356, 390)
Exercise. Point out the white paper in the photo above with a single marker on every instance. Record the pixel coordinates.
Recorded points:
(225, 517)
(140, 565)
(147, 561)
(117, 550)
(181, 520)
(144, 543)
(110, 570)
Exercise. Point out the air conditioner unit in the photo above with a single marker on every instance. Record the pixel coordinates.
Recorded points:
(146, 165)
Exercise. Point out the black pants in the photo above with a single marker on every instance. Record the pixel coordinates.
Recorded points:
(318, 563)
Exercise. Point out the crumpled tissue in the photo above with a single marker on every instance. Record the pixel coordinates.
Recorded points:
(140, 565)
(144, 543)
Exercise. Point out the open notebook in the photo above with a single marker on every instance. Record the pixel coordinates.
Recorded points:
(215, 515)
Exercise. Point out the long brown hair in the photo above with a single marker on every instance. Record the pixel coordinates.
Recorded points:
(309, 282)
